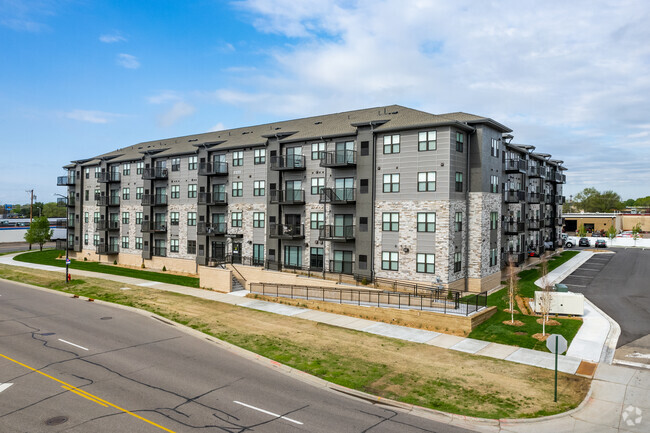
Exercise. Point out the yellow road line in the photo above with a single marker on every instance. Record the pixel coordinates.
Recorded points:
(85, 394)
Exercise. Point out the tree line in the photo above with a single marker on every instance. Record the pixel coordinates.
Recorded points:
(592, 200)
(48, 210)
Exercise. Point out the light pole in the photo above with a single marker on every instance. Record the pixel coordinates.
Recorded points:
(66, 236)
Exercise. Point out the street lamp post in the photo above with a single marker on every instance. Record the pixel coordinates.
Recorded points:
(67, 236)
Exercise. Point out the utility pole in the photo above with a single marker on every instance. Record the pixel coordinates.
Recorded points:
(31, 206)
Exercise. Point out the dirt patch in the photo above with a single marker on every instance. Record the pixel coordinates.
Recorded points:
(549, 322)
(522, 303)
(521, 333)
(540, 336)
(515, 323)
(508, 310)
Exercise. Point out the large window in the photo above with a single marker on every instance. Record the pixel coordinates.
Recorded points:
(493, 256)
(426, 263)
(126, 216)
(259, 156)
(191, 247)
(173, 218)
(427, 181)
(317, 149)
(391, 143)
(173, 245)
(191, 191)
(175, 191)
(125, 242)
(95, 240)
(317, 184)
(86, 217)
(85, 238)
(460, 139)
(237, 189)
(316, 258)
(259, 187)
(236, 219)
(191, 163)
(176, 164)
(191, 218)
(238, 158)
(139, 167)
(427, 222)
(126, 169)
(494, 220)
(427, 140)
(138, 243)
(459, 182)
(494, 150)
(96, 217)
(138, 217)
(126, 193)
(458, 221)
(258, 219)
(138, 192)
(390, 221)
(391, 182)
(258, 254)
(317, 220)
(494, 183)
(458, 262)
(389, 261)
(292, 256)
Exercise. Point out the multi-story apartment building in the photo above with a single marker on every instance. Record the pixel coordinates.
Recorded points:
(382, 192)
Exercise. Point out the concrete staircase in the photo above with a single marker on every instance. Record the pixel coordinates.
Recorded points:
(236, 285)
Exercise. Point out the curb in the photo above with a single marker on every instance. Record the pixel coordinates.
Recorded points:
(579, 261)
(607, 354)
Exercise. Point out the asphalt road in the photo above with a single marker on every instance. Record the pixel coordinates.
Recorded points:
(22, 246)
(104, 369)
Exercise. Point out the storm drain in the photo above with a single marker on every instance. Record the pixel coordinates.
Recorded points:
(56, 420)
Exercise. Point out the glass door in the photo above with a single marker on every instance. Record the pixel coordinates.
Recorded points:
(294, 157)
(342, 262)
(236, 252)
(218, 250)
(293, 190)
(343, 226)
(344, 152)
(344, 189)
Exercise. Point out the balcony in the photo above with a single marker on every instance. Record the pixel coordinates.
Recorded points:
(339, 159)
(516, 165)
(159, 251)
(68, 180)
(549, 222)
(154, 227)
(103, 225)
(109, 250)
(154, 200)
(213, 169)
(61, 223)
(65, 201)
(534, 197)
(559, 199)
(336, 233)
(512, 227)
(288, 162)
(61, 244)
(156, 173)
(286, 231)
(108, 177)
(105, 200)
(212, 229)
(534, 171)
(288, 197)
(518, 258)
(338, 195)
(556, 177)
(341, 267)
(559, 222)
(514, 196)
(213, 198)
(534, 224)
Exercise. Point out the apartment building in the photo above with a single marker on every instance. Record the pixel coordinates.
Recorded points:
(386, 192)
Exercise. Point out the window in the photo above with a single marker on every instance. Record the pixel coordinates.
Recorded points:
(390, 221)
(126, 216)
(458, 262)
(317, 149)
(493, 256)
(427, 222)
(139, 167)
(87, 171)
(125, 242)
(126, 193)
(460, 138)
(87, 195)
(191, 163)
(427, 140)
(495, 147)
(238, 158)
(494, 183)
(258, 219)
(293, 256)
(317, 185)
(191, 247)
(391, 183)
(176, 164)
(259, 156)
(191, 191)
(494, 220)
(173, 245)
(95, 240)
(236, 219)
(85, 238)
(365, 148)
(138, 243)
(96, 217)
(458, 222)
(126, 169)
(237, 189)
(316, 258)
(427, 181)
(138, 217)
(317, 220)
(459, 182)
(426, 263)
(173, 218)
(97, 194)
(191, 218)
(389, 261)
(259, 187)
(138, 192)
(85, 217)
(97, 171)
(176, 191)
(391, 143)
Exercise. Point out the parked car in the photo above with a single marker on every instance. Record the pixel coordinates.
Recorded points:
(600, 243)
(584, 242)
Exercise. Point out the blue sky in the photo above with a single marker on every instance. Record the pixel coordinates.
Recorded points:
(83, 77)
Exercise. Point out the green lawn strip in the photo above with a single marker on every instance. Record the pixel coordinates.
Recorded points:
(496, 331)
(50, 257)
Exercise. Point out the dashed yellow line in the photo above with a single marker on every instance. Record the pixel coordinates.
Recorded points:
(85, 394)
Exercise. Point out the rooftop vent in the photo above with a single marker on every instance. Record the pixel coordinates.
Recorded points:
(318, 123)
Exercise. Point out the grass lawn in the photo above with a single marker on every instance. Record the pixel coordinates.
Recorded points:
(415, 373)
(50, 257)
(496, 331)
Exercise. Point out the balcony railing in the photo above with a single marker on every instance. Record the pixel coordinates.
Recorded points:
(514, 196)
(213, 169)
(159, 251)
(286, 231)
(287, 197)
(213, 198)
(336, 233)
(154, 227)
(549, 222)
(341, 267)
(107, 177)
(61, 244)
(65, 201)
(515, 165)
(513, 227)
(517, 257)
(288, 162)
(108, 200)
(559, 199)
(212, 229)
(154, 200)
(107, 249)
(534, 224)
(156, 173)
(104, 225)
(338, 195)
(559, 221)
(534, 197)
(339, 159)
(68, 180)
(533, 171)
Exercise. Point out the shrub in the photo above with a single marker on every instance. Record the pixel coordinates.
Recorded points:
(142, 265)
(164, 269)
(85, 259)
(115, 262)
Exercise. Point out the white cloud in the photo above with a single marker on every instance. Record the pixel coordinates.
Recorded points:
(112, 38)
(164, 96)
(218, 127)
(128, 61)
(91, 116)
(178, 111)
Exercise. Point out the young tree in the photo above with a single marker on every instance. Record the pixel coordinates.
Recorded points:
(546, 295)
(611, 233)
(636, 230)
(512, 287)
(582, 232)
(39, 232)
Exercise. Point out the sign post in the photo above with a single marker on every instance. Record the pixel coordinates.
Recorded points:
(556, 344)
